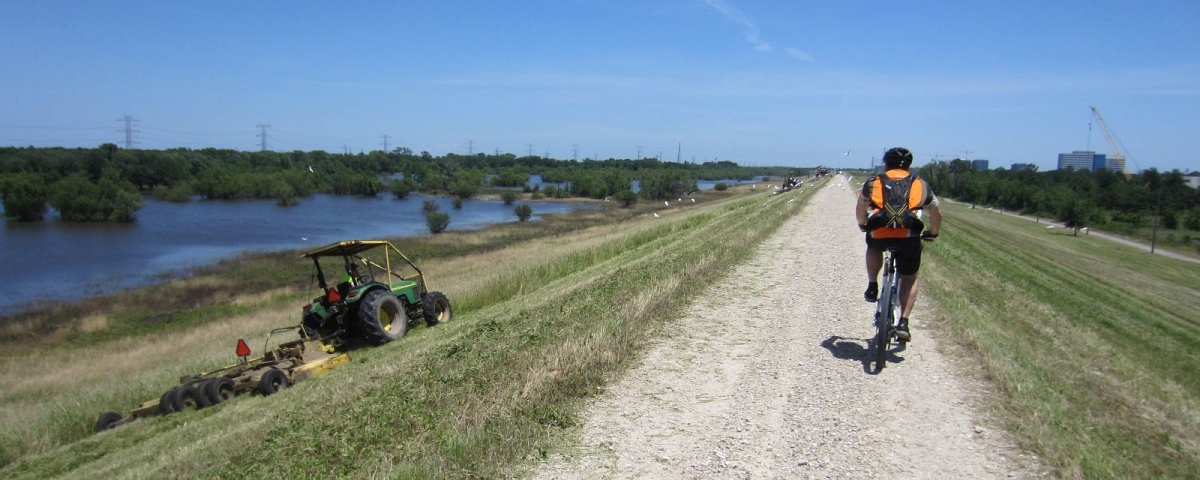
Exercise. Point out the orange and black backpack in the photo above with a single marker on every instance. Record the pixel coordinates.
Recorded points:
(896, 201)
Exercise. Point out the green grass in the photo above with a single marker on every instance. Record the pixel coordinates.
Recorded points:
(473, 397)
(1094, 347)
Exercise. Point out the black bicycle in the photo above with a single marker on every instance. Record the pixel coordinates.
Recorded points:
(887, 310)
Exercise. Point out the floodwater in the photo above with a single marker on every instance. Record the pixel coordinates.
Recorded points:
(56, 260)
(65, 261)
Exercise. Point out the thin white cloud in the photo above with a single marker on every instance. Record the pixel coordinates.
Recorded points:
(734, 15)
(798, 54)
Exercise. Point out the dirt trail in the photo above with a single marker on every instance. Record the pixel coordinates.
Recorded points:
(765, 378)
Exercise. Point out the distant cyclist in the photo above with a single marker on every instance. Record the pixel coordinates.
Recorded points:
(889, 211)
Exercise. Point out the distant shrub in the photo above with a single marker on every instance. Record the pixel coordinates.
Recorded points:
(537, 196)
(627, 198)
(430, 206)
(458, 201)
(523, 212)
(437, 222)
(509, 197)
(721, 187)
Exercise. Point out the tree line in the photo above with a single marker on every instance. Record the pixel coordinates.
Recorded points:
(1079, 198)
(107, 183)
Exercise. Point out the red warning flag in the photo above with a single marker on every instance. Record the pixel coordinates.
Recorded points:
(243, 350)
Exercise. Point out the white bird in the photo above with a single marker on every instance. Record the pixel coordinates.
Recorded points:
(304, 238)
(848, 152)
(792, 200)
(665, 203)
(679, 199)
(655, 214)
(693, 200)
(310, 169)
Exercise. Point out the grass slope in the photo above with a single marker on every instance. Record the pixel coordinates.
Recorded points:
(541, 325)
(1095, 347)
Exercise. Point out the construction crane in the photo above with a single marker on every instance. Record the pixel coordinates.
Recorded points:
(1118, 156)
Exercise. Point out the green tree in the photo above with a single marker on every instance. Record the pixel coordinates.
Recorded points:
(403, 187)
(721, 187)
(508, 196)
(25, 197)
(523, 212)
(1078, 214)
(627, 198)
(76, 198)
(430, 206)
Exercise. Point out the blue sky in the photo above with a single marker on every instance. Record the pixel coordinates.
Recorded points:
(757, 82)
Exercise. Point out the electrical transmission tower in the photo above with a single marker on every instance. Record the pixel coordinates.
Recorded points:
(385, 138)
(262, 133)
(129, 131)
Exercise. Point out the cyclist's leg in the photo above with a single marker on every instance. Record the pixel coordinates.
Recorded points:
(908, 264)
(908, 294)
(874, 261)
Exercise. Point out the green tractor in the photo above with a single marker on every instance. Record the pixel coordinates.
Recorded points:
(377, 295)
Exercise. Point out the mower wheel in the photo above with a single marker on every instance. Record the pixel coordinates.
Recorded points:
(202, 400)
(381, 317)
(167, 403)
(107, 421)
(436, 307)
(217, 390)
(272, 382)
(187, 397)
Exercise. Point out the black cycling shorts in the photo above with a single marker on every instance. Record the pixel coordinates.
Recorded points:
(908, 252)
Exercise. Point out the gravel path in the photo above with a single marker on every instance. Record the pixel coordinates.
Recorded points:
(766, 378)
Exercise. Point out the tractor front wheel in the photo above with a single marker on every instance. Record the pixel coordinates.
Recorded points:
(437, 308)
(381, 317)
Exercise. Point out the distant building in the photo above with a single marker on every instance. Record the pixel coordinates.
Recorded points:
(1083, 160)
(1115, 164)
(1193, 182)
(980, 165)
(1023, 166)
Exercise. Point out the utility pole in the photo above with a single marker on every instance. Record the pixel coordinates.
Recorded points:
(262, 129)
(129, 131)
(470, 147)
(530, 145)
(575, 152)
(385, 138)
(639, 152)
(679, 152)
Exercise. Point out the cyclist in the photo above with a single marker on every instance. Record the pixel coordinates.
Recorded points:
(889, 212)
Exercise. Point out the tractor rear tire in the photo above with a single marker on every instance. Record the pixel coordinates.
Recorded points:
(436, 307)
(107, 421)
(381, 317)
(217, 390)
(272, 382)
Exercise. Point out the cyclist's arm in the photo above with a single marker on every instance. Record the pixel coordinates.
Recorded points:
(935, 216)
(860, 210)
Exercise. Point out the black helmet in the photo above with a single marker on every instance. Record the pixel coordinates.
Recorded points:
(898, 157)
